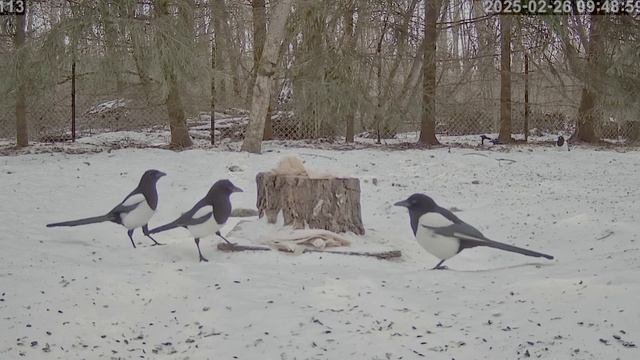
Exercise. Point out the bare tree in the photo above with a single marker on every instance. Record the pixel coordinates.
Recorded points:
(505, 79)
(259, 34)
(262, 89)
(428, 126)
(349, 49)
(212, 119)
(259, 16)
(177, 120)
(22, 132)
(585, 125)
(225, 46)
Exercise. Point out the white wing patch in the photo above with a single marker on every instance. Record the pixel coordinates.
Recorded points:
(205, 210)
(467, 237)
(434, 219)
(134, 199)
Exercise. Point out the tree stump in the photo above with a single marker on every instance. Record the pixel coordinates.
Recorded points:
(321, 203)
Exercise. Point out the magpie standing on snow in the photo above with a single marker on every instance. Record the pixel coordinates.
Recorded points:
(207, 216)
(134, 211)
(444, 235)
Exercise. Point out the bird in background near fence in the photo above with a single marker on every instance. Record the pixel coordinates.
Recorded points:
(444, 235)
(485, 137)
(207, 216)
(562, 143)
(134, 211)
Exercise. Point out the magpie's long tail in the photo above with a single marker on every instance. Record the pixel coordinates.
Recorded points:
(515, 249)
(165, 227)
(91, 220)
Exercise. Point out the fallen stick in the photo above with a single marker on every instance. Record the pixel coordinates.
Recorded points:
(380, 255)
(505, 159)
(609, 233)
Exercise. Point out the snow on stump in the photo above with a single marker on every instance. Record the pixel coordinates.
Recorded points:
(321, 202)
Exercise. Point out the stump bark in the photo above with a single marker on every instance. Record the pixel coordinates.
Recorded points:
(321, 203)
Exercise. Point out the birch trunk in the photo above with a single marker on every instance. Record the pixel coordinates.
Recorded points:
(262, 88)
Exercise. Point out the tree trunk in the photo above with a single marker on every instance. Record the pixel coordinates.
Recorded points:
(428, 126)
(377, 114)
(308, 83)
(262, 89)
(113, 51)
(486, 43)
(22, 132)
(321, 203)
(177, 123)
(139, 60)
(213, 90)
(223, 33)
(505, 79)
(350, 49)
(413, 78)
(259, 35)
(219, 44)
(268, 123)
(585, 130)
(390, 97)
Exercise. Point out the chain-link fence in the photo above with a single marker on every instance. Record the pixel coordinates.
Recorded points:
(324, 84)
(49, 116)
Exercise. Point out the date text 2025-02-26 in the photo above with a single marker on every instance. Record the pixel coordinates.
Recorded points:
(561, 7)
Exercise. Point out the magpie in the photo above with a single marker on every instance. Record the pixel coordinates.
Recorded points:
(134, 211)
(207, 216)
(485, 137)
(444, 235)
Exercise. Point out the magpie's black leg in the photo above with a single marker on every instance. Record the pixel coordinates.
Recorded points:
(130, 233)
(440, 266)
(145, 231)
(199, 252)
(223, 238)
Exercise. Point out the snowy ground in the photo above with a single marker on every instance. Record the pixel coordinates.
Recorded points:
(85, 293)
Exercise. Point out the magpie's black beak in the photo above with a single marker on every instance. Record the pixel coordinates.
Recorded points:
(403, 203)
(161, 174)
(236, 189)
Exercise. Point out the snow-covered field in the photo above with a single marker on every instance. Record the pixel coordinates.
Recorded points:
(85, 293)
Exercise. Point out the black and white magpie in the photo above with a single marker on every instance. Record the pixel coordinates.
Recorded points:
(207, 216)
(485, 137)
(134, 211)
(444, 235)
